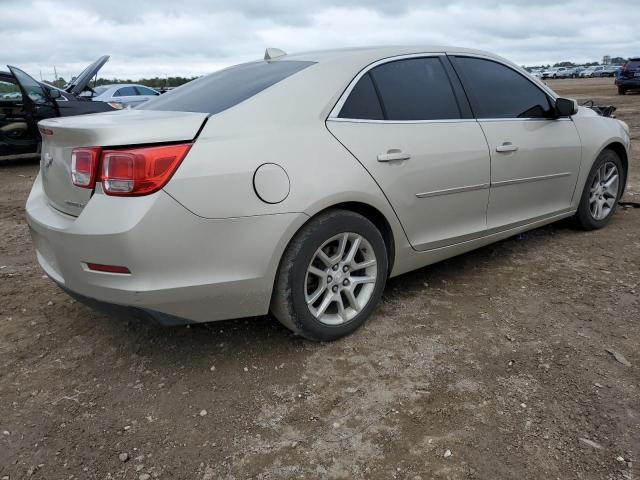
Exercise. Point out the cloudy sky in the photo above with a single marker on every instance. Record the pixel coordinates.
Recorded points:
(191, 37)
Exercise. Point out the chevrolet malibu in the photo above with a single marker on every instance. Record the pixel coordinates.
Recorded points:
(298, 184)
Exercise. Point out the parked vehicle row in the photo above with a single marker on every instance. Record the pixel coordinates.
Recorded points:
(577, 72)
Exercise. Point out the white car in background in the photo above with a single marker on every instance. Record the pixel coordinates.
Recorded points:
(298, 184)
(128, 95)
(557, 72)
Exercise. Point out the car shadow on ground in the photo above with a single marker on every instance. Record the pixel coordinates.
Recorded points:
(252, 336)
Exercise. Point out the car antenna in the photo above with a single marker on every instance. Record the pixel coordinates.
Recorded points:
(271, 53)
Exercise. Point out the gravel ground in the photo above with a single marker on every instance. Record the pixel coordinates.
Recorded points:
(490, 365)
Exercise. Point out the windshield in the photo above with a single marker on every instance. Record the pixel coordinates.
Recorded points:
(100, 90)
(224, 89)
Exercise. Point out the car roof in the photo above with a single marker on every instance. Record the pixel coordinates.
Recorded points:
(363, 54)
(113, 85)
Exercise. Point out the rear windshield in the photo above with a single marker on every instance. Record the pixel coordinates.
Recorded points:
(633, 64)
(224, 89)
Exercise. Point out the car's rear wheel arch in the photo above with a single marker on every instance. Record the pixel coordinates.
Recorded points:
(376, 217)
(371, 213)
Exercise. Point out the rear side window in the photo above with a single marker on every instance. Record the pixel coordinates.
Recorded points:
(411, 89)
(224, 89)
(145, 91)
(363, 102)
(497, 91)
(415, 89)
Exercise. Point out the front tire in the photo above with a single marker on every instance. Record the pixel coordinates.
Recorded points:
(601, 191)
(331, 276)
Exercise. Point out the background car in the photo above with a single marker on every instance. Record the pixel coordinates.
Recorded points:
(628, 77)
(586, 72)
(24, 102)
(129, 95)
(240, 193)
(597, 71)
(556, 72)
(574, 72)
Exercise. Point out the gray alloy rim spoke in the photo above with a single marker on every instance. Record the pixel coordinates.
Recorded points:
(340, 278)
(604, 191)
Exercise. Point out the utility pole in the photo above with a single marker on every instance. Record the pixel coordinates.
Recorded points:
(55, 73)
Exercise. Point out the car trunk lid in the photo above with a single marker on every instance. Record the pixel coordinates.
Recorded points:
(79, 83)
(112, 129)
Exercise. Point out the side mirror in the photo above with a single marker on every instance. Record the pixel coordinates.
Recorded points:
(53, 93)
(565, 107)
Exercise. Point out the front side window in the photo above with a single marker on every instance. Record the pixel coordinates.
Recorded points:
(497, 91)
(410, 89)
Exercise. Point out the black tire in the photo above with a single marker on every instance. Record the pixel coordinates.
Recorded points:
(288, 302)
(622, 90)
(584, 218)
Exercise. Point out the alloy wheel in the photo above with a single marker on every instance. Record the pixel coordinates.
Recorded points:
(604, 191)
(340, 278)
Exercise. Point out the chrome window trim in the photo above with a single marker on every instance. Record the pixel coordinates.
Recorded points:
(363, 120)
(526, 119)
(335, 111)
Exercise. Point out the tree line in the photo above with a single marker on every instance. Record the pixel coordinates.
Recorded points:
(155, 82)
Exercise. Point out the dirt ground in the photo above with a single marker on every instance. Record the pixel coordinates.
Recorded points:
(490, 365)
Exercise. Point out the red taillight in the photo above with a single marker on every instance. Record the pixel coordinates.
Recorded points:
(84, 166)
(140, 171)
(97, 267)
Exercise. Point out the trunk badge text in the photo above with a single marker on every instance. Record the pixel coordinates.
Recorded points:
(48, 159)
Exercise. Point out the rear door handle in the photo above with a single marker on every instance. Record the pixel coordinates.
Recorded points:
(393, 155)
(507, 147)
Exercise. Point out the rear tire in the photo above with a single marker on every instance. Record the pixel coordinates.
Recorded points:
(331, 277)
(622, 90)
(602, 191)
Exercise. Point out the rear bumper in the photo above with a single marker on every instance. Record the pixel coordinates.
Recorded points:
(628, 82)
(182, 266)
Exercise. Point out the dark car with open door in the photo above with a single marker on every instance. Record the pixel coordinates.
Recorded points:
(24, 102)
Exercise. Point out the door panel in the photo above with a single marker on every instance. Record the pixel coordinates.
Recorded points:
(539, 177)
(440, 192)
(535, 158)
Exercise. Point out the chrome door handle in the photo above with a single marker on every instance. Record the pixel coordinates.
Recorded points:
(506, 147)
(393, 155)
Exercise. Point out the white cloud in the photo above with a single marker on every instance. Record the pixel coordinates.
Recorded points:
(164, 37)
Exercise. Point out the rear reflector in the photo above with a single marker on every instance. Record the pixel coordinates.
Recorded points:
(84, 166)
(140, 171)
(107, 268)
